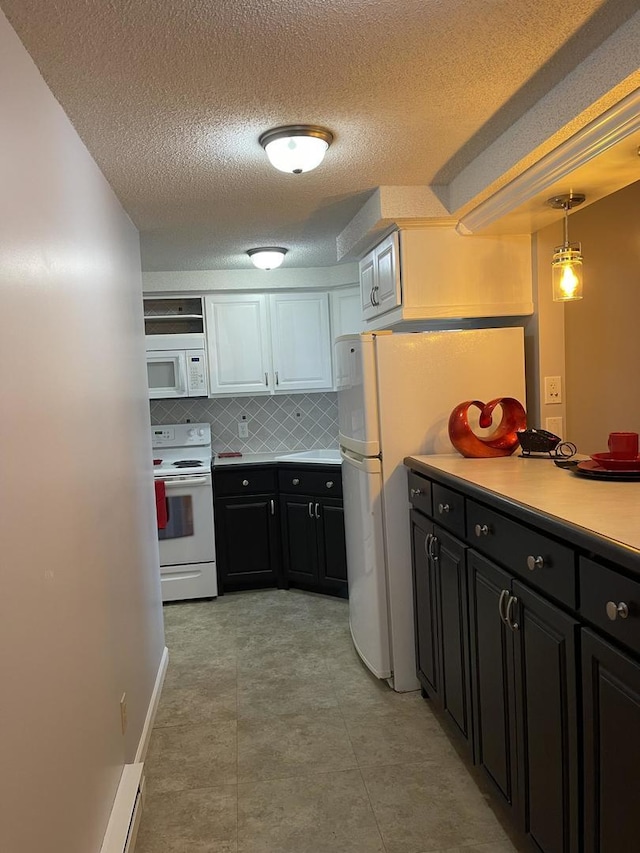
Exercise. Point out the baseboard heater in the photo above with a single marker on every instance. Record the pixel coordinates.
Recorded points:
(122, 829)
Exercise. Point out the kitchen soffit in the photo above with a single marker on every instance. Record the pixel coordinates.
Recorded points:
(171, 97)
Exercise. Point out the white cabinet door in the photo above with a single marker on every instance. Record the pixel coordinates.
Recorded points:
(301, 341)
(346, 312)
(367, 285)
(387, 293)
(238, 344)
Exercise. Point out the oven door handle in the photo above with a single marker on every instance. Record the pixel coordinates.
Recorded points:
(180, 482)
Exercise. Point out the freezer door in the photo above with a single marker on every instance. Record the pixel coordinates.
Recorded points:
(366, 569)
(357, 394)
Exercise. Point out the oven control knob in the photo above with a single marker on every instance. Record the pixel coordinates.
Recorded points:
(200, 432)
(191, 433)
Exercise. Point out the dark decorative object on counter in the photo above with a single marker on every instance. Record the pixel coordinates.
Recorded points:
(540, 441)
(502, 442)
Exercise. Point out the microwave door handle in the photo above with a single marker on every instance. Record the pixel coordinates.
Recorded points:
(182, 375)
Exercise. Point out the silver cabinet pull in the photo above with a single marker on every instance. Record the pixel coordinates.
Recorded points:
(245, 482)
(273, 506)
(503, 595)
(481, 530)
(435, 544)
(427, 545)
(617, 610)
(443, 508)
(266, 379)
(317, 511)
(296, 481)
(375, 291)
(329, 484)
(415, 492)
(371, 299)
(507, 616)
(535, 562)
(310, 509)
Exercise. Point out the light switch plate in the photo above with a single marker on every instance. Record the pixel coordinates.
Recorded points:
(243, 429)
(554, 425)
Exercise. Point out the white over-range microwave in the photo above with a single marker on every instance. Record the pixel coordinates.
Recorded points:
(176, 366)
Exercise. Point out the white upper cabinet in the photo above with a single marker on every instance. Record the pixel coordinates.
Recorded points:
(268, 343)
(435, 273)
(300, 341)
(346, 311)
(238, 344)
(380, 278)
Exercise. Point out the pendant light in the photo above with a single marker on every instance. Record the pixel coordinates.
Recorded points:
(566, 263)
(296, 148)
(267, 258)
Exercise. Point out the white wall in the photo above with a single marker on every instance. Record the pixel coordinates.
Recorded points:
(80, 610)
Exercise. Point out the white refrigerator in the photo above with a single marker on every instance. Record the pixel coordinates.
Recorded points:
(395, 394)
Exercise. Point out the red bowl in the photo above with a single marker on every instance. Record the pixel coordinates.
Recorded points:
(606, 461)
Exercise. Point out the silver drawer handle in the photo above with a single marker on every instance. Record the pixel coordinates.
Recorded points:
(614, 610)
(507, 616)
(442, 508)
(535, 562)
(504, 594)
(427, 545)
(296, 481)
(310, 509)
(245, 482)
(317, 511)
(415, 492)
(329, 484)
(482, 530)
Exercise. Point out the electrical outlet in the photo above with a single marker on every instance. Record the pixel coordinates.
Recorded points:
(123, 713)
(243, 429)
(554, 425)
(552, 389)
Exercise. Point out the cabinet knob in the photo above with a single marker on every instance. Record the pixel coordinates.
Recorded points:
(329, 484)
(245, 482)
(535, 562)
(614, 610)
(482, 530)
(296, 481)
(415, 492)
(443, 508)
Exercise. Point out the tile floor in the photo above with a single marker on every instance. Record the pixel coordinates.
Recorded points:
(271, 737)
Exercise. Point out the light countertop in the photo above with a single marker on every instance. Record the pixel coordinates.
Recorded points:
(280, 456)
(609, 509)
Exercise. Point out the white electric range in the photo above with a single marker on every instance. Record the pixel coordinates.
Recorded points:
(182, 459)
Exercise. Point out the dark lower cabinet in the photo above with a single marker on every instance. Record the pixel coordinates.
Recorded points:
(313, 543)
(442, 625)
(611, 708)
(523, 652)
(247, 542)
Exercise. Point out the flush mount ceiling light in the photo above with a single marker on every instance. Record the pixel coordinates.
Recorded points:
(566, 263)
(267, 258)
(296, 148)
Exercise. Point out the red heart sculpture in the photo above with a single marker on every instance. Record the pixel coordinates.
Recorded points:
(502, 442)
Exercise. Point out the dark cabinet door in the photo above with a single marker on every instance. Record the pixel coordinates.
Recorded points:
(611, 707)
(299, 538)
(247, 542)
(332, 548)
(453, 621)
(492, 675)
(545, 641)
(425, 601)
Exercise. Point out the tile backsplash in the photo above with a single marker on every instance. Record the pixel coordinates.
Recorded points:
(278, 423)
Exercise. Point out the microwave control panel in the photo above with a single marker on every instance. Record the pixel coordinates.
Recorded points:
(196, 372)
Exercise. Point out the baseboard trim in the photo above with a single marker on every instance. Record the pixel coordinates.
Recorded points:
(145, 737)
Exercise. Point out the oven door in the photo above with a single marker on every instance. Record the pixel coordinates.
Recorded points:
(188, 536)
(167, 374)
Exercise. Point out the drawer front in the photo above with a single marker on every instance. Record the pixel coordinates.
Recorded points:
(420, 492)
(541, 561)
(324, 483)
(448, 508)
(611, 601)
(244, 481)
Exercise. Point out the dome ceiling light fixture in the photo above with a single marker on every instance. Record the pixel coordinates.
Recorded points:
(296, 148)
(566, 264)
(267, 258)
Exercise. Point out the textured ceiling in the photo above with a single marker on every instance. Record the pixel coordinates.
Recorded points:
(170, 97)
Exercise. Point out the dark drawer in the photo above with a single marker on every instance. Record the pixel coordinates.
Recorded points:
(448, 508)
(541, 561)
(420, 492)
(611, 601)
(326, 482)
(244, 481)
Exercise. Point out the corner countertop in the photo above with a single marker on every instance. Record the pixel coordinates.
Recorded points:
(300, 458)
(605, 509)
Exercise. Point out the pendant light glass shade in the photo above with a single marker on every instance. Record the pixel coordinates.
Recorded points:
(297, 148)
(566, 264)
(267, 258)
